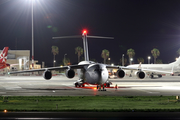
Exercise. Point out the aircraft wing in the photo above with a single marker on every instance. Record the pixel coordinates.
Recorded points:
(121, 67)
(156, 71)
(138, 69)
(50, 68)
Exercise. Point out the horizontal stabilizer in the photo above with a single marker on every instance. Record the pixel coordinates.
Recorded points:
(75, 36)
(80, 36)
(99, 37)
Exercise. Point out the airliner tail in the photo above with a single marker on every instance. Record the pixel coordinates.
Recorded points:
(3, 55)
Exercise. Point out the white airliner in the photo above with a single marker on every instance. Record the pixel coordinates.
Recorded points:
(89, 72)
(158, 69)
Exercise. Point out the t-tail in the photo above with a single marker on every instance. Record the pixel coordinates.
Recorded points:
(3, 55)
(85, 43)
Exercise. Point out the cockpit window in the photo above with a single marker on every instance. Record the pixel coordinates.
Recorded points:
(98, 69)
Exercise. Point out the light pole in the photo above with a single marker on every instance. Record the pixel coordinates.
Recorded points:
(131, 60)
(64, 58)
(149, 59)
(122, 59)
(32, 36)
(54, 63)
(109, 59)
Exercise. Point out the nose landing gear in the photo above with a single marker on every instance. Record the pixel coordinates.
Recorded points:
(101, 86)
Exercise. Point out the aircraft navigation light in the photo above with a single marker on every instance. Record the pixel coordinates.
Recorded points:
(85, 32)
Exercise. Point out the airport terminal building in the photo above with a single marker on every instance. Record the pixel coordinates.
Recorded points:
(19, 60)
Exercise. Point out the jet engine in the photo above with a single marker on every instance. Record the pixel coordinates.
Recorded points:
(120, 73)
(47, 75)
(140, 74)
(70, 73)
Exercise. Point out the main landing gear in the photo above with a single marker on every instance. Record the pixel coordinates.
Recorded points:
(152, 76)
(79, 83)
(101, 86)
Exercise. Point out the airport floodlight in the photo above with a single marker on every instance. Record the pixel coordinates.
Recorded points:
(149, 57)
(131, 59)
(32, 24)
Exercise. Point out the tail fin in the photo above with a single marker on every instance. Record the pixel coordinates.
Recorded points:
(3, 55)
(85, 43)
(177, 62)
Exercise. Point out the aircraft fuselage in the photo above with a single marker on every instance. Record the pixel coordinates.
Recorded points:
(94, 73)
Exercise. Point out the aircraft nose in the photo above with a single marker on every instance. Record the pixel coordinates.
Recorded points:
(98, 68)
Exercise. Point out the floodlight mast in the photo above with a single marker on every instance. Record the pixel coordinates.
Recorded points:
(32, 37)
(85, 44)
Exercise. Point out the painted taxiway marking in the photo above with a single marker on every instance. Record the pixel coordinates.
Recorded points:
(154, 92)
(12, 82)
(146, 90)
(10, 88)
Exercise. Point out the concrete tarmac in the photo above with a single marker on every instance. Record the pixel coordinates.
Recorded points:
(62, 86)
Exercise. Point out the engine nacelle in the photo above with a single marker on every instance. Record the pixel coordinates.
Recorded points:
(70, 73)
(140, 74)
(47, 75)
(120, 73)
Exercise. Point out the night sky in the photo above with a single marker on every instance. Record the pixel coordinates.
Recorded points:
(138, 24)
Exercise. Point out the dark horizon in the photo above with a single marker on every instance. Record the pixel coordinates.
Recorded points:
(140, 25)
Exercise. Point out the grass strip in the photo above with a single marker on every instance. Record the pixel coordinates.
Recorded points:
(90, 103)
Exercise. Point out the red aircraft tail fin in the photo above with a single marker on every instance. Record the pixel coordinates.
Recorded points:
(3, 55)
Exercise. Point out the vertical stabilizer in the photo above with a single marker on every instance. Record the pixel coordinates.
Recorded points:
(85, 44)
(177, 62)
(3, 55)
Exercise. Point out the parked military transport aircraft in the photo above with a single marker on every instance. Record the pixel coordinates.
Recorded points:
(158, 69)
(3, 58)
(89, 72)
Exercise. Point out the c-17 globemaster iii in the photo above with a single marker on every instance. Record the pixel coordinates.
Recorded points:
(89, 72)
